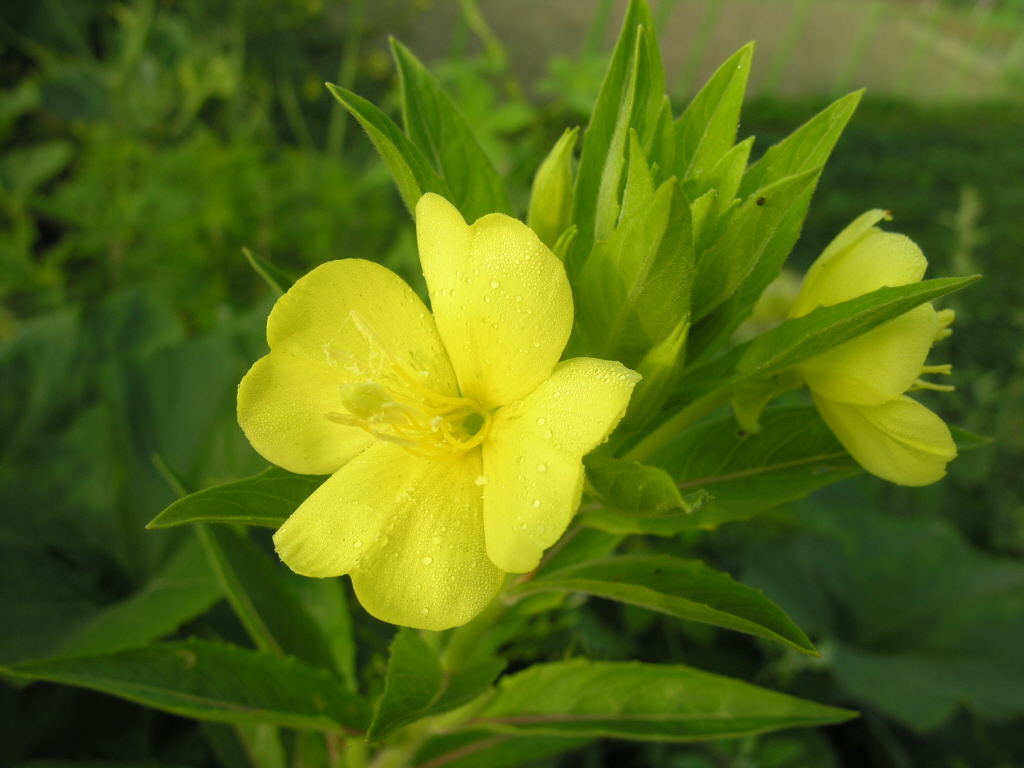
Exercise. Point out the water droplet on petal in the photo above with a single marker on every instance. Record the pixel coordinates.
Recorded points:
(358, 544)
(424, 611)
(542, 468)
(519, 298)
(540, 421)
(495, 283)
(536, 502)
(547, 434)
(428, 560)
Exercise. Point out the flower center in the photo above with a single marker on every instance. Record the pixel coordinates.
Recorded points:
(393, 405)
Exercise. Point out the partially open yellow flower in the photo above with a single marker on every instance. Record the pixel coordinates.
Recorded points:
(859, 387)
(454, 439)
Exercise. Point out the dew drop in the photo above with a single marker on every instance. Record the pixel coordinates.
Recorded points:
(487, 298)
(469, 281)
(481, 481)
(556, 395)
(524, 526)
(495, 283)
(444, 291)
(428, 560)
(540, 421)
(358, 544)
(536, 502)
(519, 298)
(424, 611)
(542, 468)
(547, 434)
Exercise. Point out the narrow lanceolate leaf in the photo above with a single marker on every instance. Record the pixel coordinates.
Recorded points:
(411, 171)
(794, 454)
(485, 749)
(266, 499)
(180, 592)
(798, 339)
(644, 701)
(417, 686)
(437, 128)
(633, 87)
(632, 488)
(270, 610)
(211, 681)
(806, 148)
(751, 229)
(707, 129)
(809, 146)
(684, 588)
(635, 287)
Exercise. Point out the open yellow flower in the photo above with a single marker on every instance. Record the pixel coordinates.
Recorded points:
(859, 387)
(454, 438)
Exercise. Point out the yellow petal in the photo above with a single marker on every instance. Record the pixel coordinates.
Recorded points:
(281, 405)
(408, 530)
(318, 312)
(533, 457)
(878, 366)
(501, 300)
(874, 260)
(900, 441)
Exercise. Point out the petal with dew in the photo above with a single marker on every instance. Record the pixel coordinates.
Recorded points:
(408, 531)
(500, 298)
(875, 260)
(900, 441)
(877, 366)
(533, 457)
(366, 311)
(281, 405)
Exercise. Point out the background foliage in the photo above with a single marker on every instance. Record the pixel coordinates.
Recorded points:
(145, 144)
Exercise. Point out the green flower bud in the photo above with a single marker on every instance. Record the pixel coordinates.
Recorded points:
(551, 198)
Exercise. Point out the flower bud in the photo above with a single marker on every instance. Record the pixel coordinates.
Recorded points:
(551, 198)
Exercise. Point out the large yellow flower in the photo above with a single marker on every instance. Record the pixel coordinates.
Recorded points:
(859, 387)
(454, 438)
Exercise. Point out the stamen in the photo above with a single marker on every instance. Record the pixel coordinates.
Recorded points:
(922, 384)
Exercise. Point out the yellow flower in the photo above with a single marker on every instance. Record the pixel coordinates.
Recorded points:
(859, 387)
(454, 439)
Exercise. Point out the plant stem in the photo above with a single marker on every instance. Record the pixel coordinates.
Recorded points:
(695, 411)
(466, 638)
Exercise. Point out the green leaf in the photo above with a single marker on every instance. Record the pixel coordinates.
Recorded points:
(707, 129)
(268, 607)
(643, 701)
(794, 454)
(183, 590)
(809, 146)
(25, 169)
(632, 488)
(918, 623)
(211, 681)
(684, 588)
(276, 278)
(437, 128)
(411, 171)
(486, 749)
(266, 499)
(633, 86)
(417, 686)
(800, 338)
(634, 288)
(578, 545)
(751, 229)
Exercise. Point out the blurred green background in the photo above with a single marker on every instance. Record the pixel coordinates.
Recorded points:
(144, 143)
